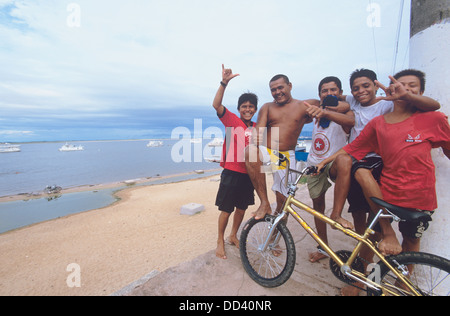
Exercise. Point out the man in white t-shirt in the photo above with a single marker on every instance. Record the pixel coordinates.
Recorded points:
(330, 134)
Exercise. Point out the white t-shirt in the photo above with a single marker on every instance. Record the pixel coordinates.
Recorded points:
(326, 142)
(364, 114)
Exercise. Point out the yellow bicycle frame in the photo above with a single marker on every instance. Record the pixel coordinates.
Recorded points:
(362, 240)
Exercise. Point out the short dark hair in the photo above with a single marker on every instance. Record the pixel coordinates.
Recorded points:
(358, 73)
(250, 97)
(328, 80)
(277, 77)
(413, 72)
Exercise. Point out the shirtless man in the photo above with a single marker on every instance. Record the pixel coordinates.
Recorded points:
(282, 120)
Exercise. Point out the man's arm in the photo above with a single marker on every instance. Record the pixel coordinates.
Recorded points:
(261, 126)
(347, 120)
(227, 75)
(343, 107)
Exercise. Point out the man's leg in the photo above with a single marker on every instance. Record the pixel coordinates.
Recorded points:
(237, 221)
(390, 245)
(223, 222)
(341, 172)
(254, 165)
(321, 227)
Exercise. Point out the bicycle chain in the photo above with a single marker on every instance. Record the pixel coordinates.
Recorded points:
(358, 265)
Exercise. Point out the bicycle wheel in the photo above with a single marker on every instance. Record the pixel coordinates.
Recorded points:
(430, 274)
(273, 267)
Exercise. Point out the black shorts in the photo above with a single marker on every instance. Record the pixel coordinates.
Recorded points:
(409, 229)
(235, 191)
(356, 198)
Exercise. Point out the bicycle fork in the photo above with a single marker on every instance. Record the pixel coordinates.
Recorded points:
(273, 228)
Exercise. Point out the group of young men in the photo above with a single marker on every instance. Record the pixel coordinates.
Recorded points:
(369, 146)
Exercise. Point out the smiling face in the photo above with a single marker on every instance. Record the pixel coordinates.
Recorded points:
(247, 110)
(365, 91)
(281, 91)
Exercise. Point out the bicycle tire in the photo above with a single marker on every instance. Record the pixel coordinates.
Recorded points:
(431, 275)
(273, 267)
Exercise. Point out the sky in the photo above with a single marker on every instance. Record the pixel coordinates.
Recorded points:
(110, 69)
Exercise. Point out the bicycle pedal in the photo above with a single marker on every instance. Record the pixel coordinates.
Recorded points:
(322, 252)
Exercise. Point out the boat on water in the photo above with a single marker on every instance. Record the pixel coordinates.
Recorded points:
(9, 148)
(213, 159)
(301, 153)
(70, 147)
(155, 143)
(196, 140)
(216, 142)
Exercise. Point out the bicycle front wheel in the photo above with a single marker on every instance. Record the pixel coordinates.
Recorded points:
(430, 274)
(271, 267)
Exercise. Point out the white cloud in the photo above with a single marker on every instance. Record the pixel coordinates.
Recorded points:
(141, 53)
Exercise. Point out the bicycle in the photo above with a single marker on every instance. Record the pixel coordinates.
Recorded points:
(268, 251)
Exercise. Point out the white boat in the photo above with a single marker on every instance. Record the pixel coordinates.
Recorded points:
(216, 142)
(8, 148)
(196, 140)
(70, 147)
(155, 143)
(213, 159)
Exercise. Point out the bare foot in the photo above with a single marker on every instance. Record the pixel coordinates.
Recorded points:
(350, 290)
(220, 250)
(390, 245)
(263, 210)
(343, 222)
(232, 240)
(316, 257)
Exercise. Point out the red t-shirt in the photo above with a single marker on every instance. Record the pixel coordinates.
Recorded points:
(237, 138)
(408, 178)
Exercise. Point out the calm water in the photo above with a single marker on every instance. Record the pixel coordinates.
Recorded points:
(41, 164)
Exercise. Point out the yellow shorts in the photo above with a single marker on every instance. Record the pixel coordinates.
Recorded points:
(270, 158)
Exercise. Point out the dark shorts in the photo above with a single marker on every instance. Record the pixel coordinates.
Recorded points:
(235, 191)
(414, 229)
(355, 198)
(409, 229)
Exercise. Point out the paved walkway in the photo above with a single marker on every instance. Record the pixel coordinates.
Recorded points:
(209, 276)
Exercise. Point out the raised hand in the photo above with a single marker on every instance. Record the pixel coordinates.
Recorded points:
(395, 91)
(227, 75)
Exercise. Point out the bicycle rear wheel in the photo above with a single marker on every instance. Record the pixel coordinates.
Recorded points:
(430, 274)
(273, 267)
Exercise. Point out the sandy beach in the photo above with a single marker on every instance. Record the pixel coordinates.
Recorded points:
(113, 246)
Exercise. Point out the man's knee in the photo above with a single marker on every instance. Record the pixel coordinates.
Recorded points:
(343, 162)
(251, 155)
(363, 176)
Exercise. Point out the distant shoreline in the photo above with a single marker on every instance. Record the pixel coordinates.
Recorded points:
(102, 186)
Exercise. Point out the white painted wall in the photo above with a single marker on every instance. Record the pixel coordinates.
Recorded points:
(430, 52)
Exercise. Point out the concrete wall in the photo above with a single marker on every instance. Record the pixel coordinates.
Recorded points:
(425, 13)
(430, 52)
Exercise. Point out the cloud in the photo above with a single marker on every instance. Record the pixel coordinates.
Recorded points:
(142, 54)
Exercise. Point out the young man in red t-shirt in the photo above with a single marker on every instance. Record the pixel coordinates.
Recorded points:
(236, 190)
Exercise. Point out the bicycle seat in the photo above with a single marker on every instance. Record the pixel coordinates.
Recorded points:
(405, 214)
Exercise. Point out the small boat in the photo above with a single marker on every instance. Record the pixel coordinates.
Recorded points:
(300, 151)
(8, 148)
(213, 159)
(196, 140)
(70, 147)
(155, 143)
(216, 142)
